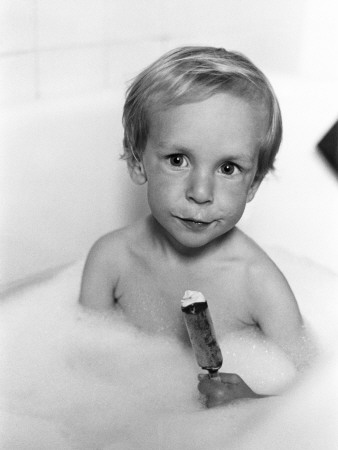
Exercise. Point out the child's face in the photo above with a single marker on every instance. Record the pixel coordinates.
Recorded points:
(200, 163)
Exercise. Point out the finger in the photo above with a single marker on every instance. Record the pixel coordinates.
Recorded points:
(232, 378)
(206, 376)
(202, 376)
(218, 397)
(204, 386)
(213, 402)
(212, 388)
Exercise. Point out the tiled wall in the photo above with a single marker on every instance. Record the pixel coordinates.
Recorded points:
(53, 48)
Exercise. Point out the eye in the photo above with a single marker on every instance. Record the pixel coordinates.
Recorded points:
(177, 160)
(229, 168)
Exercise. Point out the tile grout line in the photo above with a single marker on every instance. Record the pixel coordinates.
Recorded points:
(36, 53)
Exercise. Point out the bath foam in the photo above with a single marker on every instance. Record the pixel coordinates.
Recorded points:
(73, 379)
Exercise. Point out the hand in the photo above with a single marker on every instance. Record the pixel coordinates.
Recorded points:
(220, 392)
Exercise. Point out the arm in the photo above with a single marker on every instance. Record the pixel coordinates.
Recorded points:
(99, 276)
(275, 310)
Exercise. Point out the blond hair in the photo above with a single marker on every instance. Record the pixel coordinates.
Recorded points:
(191, 74)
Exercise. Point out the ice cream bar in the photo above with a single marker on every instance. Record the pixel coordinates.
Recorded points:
(201, 332)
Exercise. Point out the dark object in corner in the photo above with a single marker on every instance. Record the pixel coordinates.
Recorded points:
(328, 147)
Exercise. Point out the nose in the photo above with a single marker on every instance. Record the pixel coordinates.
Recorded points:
(200, 188)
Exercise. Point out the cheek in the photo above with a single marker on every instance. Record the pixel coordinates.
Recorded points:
(161, 185)
(159, 193)
(154, 199)
(232, 194)
(232, 203)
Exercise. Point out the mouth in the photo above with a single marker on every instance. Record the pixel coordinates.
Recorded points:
(194, 224)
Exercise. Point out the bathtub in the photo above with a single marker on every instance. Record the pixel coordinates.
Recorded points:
(70, 379)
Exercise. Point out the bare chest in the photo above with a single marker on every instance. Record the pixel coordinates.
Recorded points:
(150, 297)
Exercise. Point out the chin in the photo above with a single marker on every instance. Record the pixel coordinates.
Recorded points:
(194, 242)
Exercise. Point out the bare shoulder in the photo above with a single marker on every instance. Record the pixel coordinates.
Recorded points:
(257, 263)
(104, 264)
(105, 249)
(113, 248)
(269, 291)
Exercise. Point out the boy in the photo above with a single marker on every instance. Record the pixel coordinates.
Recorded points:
(202, 128)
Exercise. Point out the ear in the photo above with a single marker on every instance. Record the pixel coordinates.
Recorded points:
(136, 171)
(253, 189)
